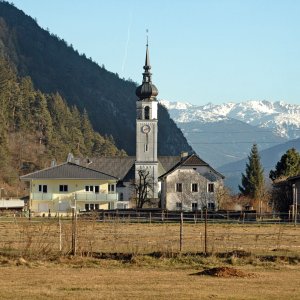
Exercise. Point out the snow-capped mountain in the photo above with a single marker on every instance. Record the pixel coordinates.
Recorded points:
(281, 118)
(223, 134)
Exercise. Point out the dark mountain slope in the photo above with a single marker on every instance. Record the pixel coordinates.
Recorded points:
(55, 66)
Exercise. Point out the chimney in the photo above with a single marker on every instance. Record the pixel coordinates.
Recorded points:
(53, 163)
(70, 157)
(183, 154)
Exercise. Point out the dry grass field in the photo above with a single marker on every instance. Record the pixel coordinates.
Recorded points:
(142, 261)
(87, 279)
(43, 236)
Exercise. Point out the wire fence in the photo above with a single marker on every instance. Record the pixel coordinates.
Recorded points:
(84, 236)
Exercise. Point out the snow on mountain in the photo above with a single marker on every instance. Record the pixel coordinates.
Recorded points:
(281, 118)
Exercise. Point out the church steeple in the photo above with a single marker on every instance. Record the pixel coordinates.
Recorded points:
(147, 90)
(146, 129)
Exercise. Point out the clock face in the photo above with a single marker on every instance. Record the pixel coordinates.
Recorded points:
(146, 129)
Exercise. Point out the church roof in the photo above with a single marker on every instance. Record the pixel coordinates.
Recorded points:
(123, 167)
(68, 170)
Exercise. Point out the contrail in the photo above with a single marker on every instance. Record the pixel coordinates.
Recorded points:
(127, 43)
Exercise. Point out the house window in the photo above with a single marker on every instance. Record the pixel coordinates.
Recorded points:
(92, 206)
(96, 206)
(147, 112)
(211, 206)
(178, 205)
(89, 188)
(194, 187)
(111, 188)
(194, 206)
(211, 188)
(63, 188)
(87, 207)
(43, 188)
(121, 196)
(179, 187)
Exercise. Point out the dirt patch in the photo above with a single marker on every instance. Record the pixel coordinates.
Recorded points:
(224, 272)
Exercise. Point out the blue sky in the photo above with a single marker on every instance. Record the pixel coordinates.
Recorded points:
(200, 51)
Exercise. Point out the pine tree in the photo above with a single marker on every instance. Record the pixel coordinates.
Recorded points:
(253, 179)
(289, 165)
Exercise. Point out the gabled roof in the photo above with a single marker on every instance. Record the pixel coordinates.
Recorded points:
(193, 161)
(68, 170)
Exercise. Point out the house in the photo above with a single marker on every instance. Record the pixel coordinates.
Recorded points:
(191, 184)
(69, 185)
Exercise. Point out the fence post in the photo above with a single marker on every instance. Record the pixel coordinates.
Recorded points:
(60, 235)
(150, 217)
(181, 231)
(74, 231)
(205, 233)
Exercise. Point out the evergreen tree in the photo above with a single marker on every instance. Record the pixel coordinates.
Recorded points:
(289, 165)
(253, 179)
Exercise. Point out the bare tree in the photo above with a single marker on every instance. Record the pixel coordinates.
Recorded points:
(143, 187)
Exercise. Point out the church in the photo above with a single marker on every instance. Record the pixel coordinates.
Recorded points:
(183, 182)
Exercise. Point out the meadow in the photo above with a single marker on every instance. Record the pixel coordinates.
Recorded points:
(119, 260)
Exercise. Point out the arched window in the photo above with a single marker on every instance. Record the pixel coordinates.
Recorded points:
(147, 112)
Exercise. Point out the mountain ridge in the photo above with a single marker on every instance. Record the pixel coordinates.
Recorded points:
(282, 118)
(53, 65)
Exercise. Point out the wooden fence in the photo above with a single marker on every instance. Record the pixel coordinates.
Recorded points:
(43, 236)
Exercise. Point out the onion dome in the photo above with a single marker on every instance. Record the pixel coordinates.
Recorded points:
(147, 89)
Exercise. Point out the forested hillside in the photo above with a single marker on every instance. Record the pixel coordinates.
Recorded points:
(36, 127)
(55, 66)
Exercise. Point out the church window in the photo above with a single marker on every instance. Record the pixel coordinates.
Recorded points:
(146, 147)
(179, 187)
(147, 112)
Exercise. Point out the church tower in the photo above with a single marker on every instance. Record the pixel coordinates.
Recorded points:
(146, 129)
